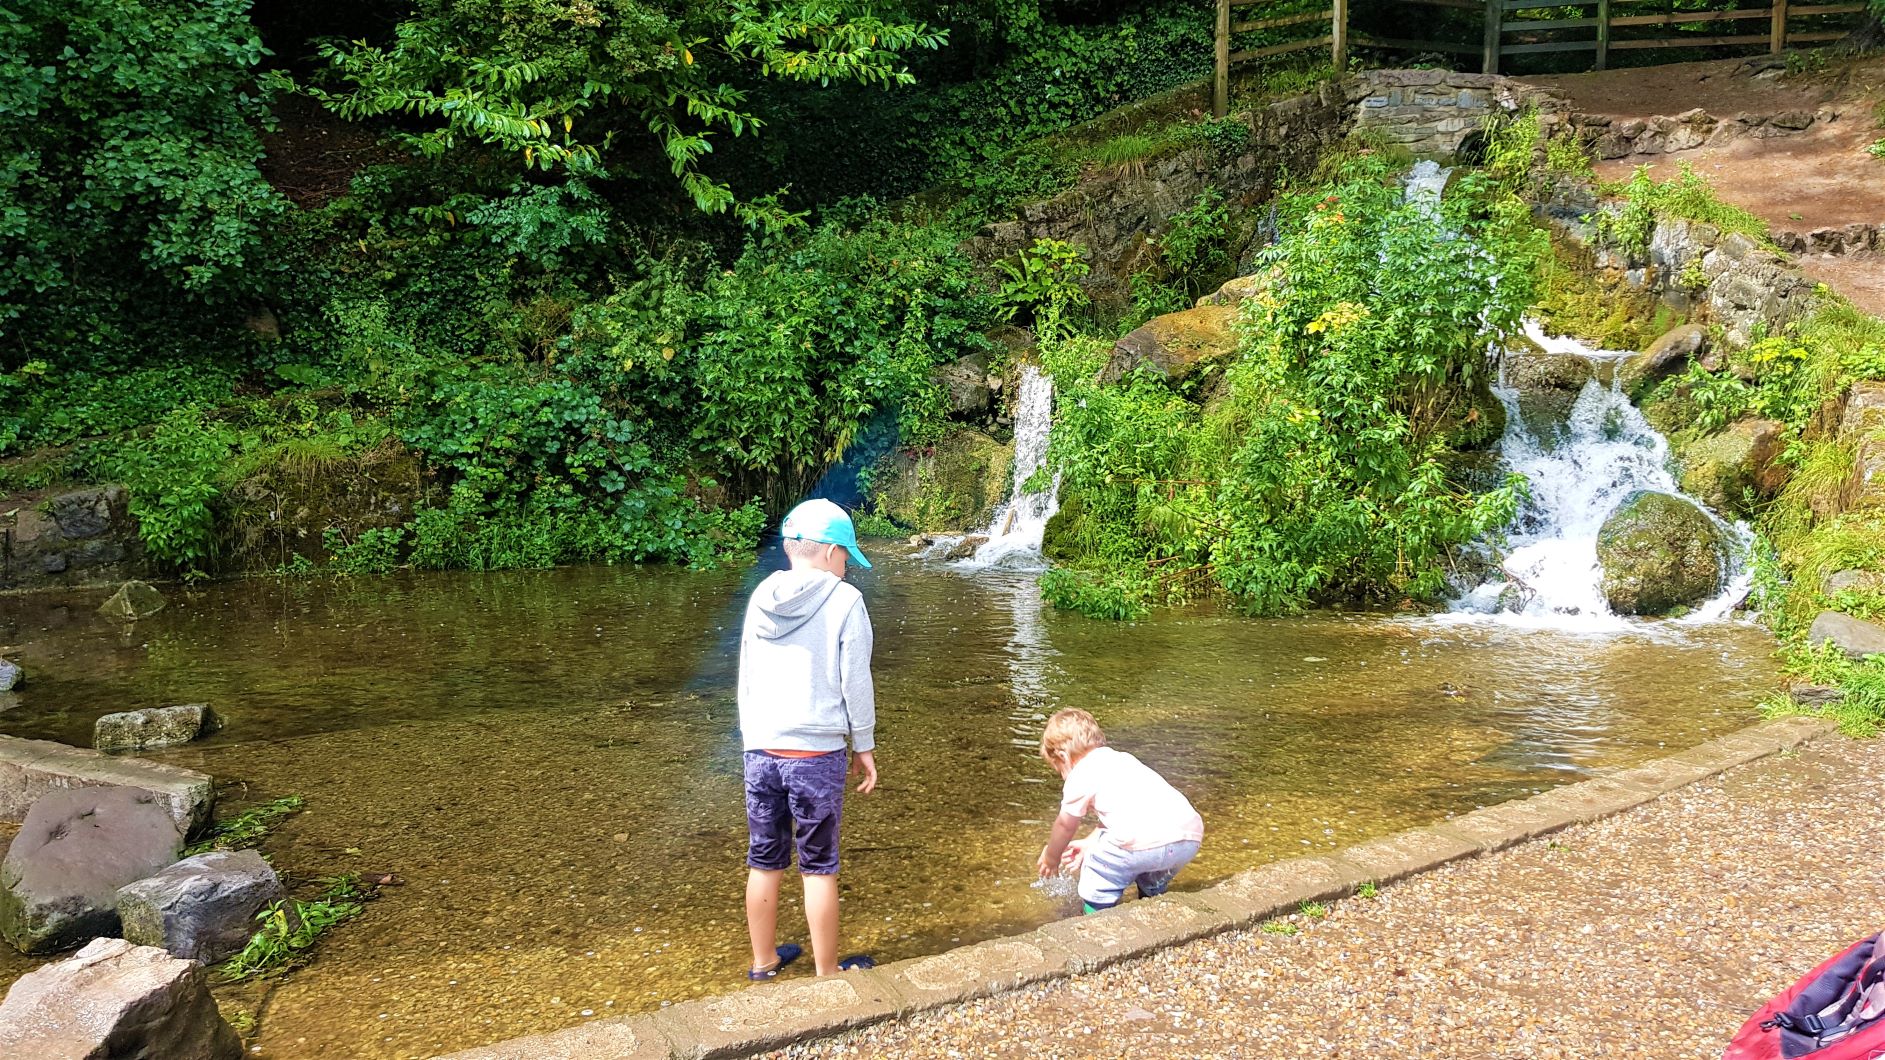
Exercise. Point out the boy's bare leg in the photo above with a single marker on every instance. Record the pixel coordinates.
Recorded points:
(762, 914)
(821, 919)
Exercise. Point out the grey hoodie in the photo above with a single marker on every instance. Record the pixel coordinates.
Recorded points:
(805, 655)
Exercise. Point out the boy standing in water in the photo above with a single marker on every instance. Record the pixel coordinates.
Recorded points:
(1148, 830)
(805, 686)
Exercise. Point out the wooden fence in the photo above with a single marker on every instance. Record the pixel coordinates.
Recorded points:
(1336, 40)
(1596, 26)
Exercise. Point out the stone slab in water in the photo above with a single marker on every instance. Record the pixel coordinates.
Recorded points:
(1403, 854)
(59, 883)
(1280, 886)
(623, 1038)
(138, 730)
(1493, 828)
(31, 769)
(776, 1014)
(1592, 800)
(202, 907)
(1137, 928)
(984, 968)
(1855, 637)
(10, 676)
(114, 999)
(133, 600)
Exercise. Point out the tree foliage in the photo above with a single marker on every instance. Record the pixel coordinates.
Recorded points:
(130, 172)
(552, 84)
(1319, 468)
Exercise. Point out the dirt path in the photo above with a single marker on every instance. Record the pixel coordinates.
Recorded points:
(1654, 933)
(1817, 179)
(1722, 87)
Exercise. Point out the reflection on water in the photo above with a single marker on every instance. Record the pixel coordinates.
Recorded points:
(549, 761)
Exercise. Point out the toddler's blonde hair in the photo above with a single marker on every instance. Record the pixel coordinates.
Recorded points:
(1070, 734)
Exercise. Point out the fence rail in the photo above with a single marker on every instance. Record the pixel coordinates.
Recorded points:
(1591, 28)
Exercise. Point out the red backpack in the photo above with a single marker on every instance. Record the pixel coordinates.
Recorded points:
(1832, 1013)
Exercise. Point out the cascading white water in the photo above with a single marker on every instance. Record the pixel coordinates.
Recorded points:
(1605, 451)
(1014, 534)
(1423, 185)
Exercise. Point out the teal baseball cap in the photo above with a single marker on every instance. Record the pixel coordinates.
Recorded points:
(824, 522)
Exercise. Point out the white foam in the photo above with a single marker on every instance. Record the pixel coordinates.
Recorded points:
(1605, 451)
(1015, 533)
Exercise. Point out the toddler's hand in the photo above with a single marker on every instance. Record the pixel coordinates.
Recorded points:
(1074, 856)
(1042, 865)
(865, 762)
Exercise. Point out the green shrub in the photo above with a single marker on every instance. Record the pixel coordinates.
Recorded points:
(1317, 469)
(1686, 196)
(290, 928)
(173, 475)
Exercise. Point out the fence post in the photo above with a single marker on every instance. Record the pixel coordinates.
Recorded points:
(1777, 35)
(1220, 85)
(1603, 33)
(1338, 32)
(1495, 16)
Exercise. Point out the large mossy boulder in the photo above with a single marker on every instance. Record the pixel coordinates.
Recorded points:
(1659, 553)
(1176, 346)
(949, 488)
(1734, 469)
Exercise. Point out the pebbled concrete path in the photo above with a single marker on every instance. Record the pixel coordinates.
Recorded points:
(1653, 933)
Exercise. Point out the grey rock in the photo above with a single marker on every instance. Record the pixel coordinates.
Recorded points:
(1815, 697)
(83, 513)
(1854, 581)
(33, 769)
(10, 676)
(136, 730)
(1665, 357)
(965, 381)
(59, 882)
(115, 1001)
(133, 600)
(966, 547)
(1659, 552)
(1726, 469)
(1855, 637)
(202, 907)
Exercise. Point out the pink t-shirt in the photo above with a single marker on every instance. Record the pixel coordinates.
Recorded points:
(1136, 806)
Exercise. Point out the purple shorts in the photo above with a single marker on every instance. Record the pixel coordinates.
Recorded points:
(794, 800)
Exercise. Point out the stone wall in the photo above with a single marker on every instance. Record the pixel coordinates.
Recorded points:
(73, 537)
(1111, 215)
(1856, 238)
(1732, 280)
(1666, 134)
(1432, 113)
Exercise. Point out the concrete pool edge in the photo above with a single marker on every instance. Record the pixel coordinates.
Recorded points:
(772, 1015)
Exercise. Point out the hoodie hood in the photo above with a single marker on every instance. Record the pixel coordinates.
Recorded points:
(789, 599)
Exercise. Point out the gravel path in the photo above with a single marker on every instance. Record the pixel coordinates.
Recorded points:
(1650, 934)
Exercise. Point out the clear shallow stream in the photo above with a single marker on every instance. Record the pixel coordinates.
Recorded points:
(549, 760)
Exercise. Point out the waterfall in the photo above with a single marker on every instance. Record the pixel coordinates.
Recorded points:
(1604, 451)
(1423, 185)
(1014, 534)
